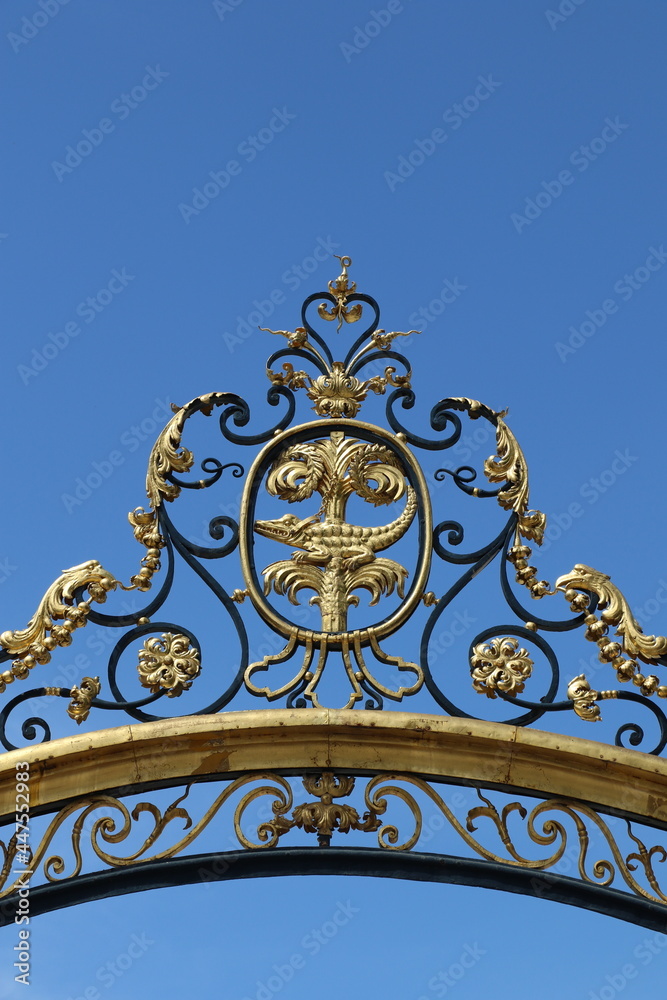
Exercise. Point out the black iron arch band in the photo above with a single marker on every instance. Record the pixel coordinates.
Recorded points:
(393, 778)
(365, 862)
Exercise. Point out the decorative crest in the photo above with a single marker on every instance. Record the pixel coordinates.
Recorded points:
(361, 574)
(336, 391)
(335, 558)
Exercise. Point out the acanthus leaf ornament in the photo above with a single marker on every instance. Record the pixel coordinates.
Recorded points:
(342, 562)
(332, 557)
(616, 611)
(35, 643)
(168, 457)
(322, 817)
(337, 392)
(508, 466)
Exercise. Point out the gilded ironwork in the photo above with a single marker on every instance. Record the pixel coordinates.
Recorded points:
(35, 643)
(338, 557)
(525, 574)
(169, 663)
(341, 289)
(500, 664)
(321, 817)
(337, 392)
(563, 826)
(584, 699)
(42, 635)
(82, 697)
(370, 773)
(616, 612)
(168, 457)
(332, 557)
(507, 466)
(357, 670)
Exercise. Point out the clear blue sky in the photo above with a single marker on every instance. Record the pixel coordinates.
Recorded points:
(168, 164)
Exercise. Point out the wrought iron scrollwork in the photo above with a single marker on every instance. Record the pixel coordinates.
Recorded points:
(541, 838)
(343, 565)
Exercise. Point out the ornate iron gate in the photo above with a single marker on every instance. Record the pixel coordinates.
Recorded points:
(347, 624)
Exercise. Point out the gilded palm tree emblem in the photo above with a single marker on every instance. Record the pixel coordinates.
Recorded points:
(333, 557)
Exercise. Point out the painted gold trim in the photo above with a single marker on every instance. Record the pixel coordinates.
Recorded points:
(152, 754)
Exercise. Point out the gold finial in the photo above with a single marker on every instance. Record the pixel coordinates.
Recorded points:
(342, 280)
(341, 289)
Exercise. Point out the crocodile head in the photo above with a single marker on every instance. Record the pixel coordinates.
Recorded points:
(289, 528)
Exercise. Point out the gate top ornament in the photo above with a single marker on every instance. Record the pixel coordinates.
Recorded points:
(339, 472)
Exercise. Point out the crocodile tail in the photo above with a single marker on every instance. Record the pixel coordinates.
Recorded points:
(382, 538)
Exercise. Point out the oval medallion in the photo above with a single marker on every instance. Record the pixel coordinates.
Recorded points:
(322, 470)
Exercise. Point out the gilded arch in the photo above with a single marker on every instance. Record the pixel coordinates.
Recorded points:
(333, 773)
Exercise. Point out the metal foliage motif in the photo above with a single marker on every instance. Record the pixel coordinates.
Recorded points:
(170, 663)
(337, 563)
(537, 838)
(500, 664)
(332, 557)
